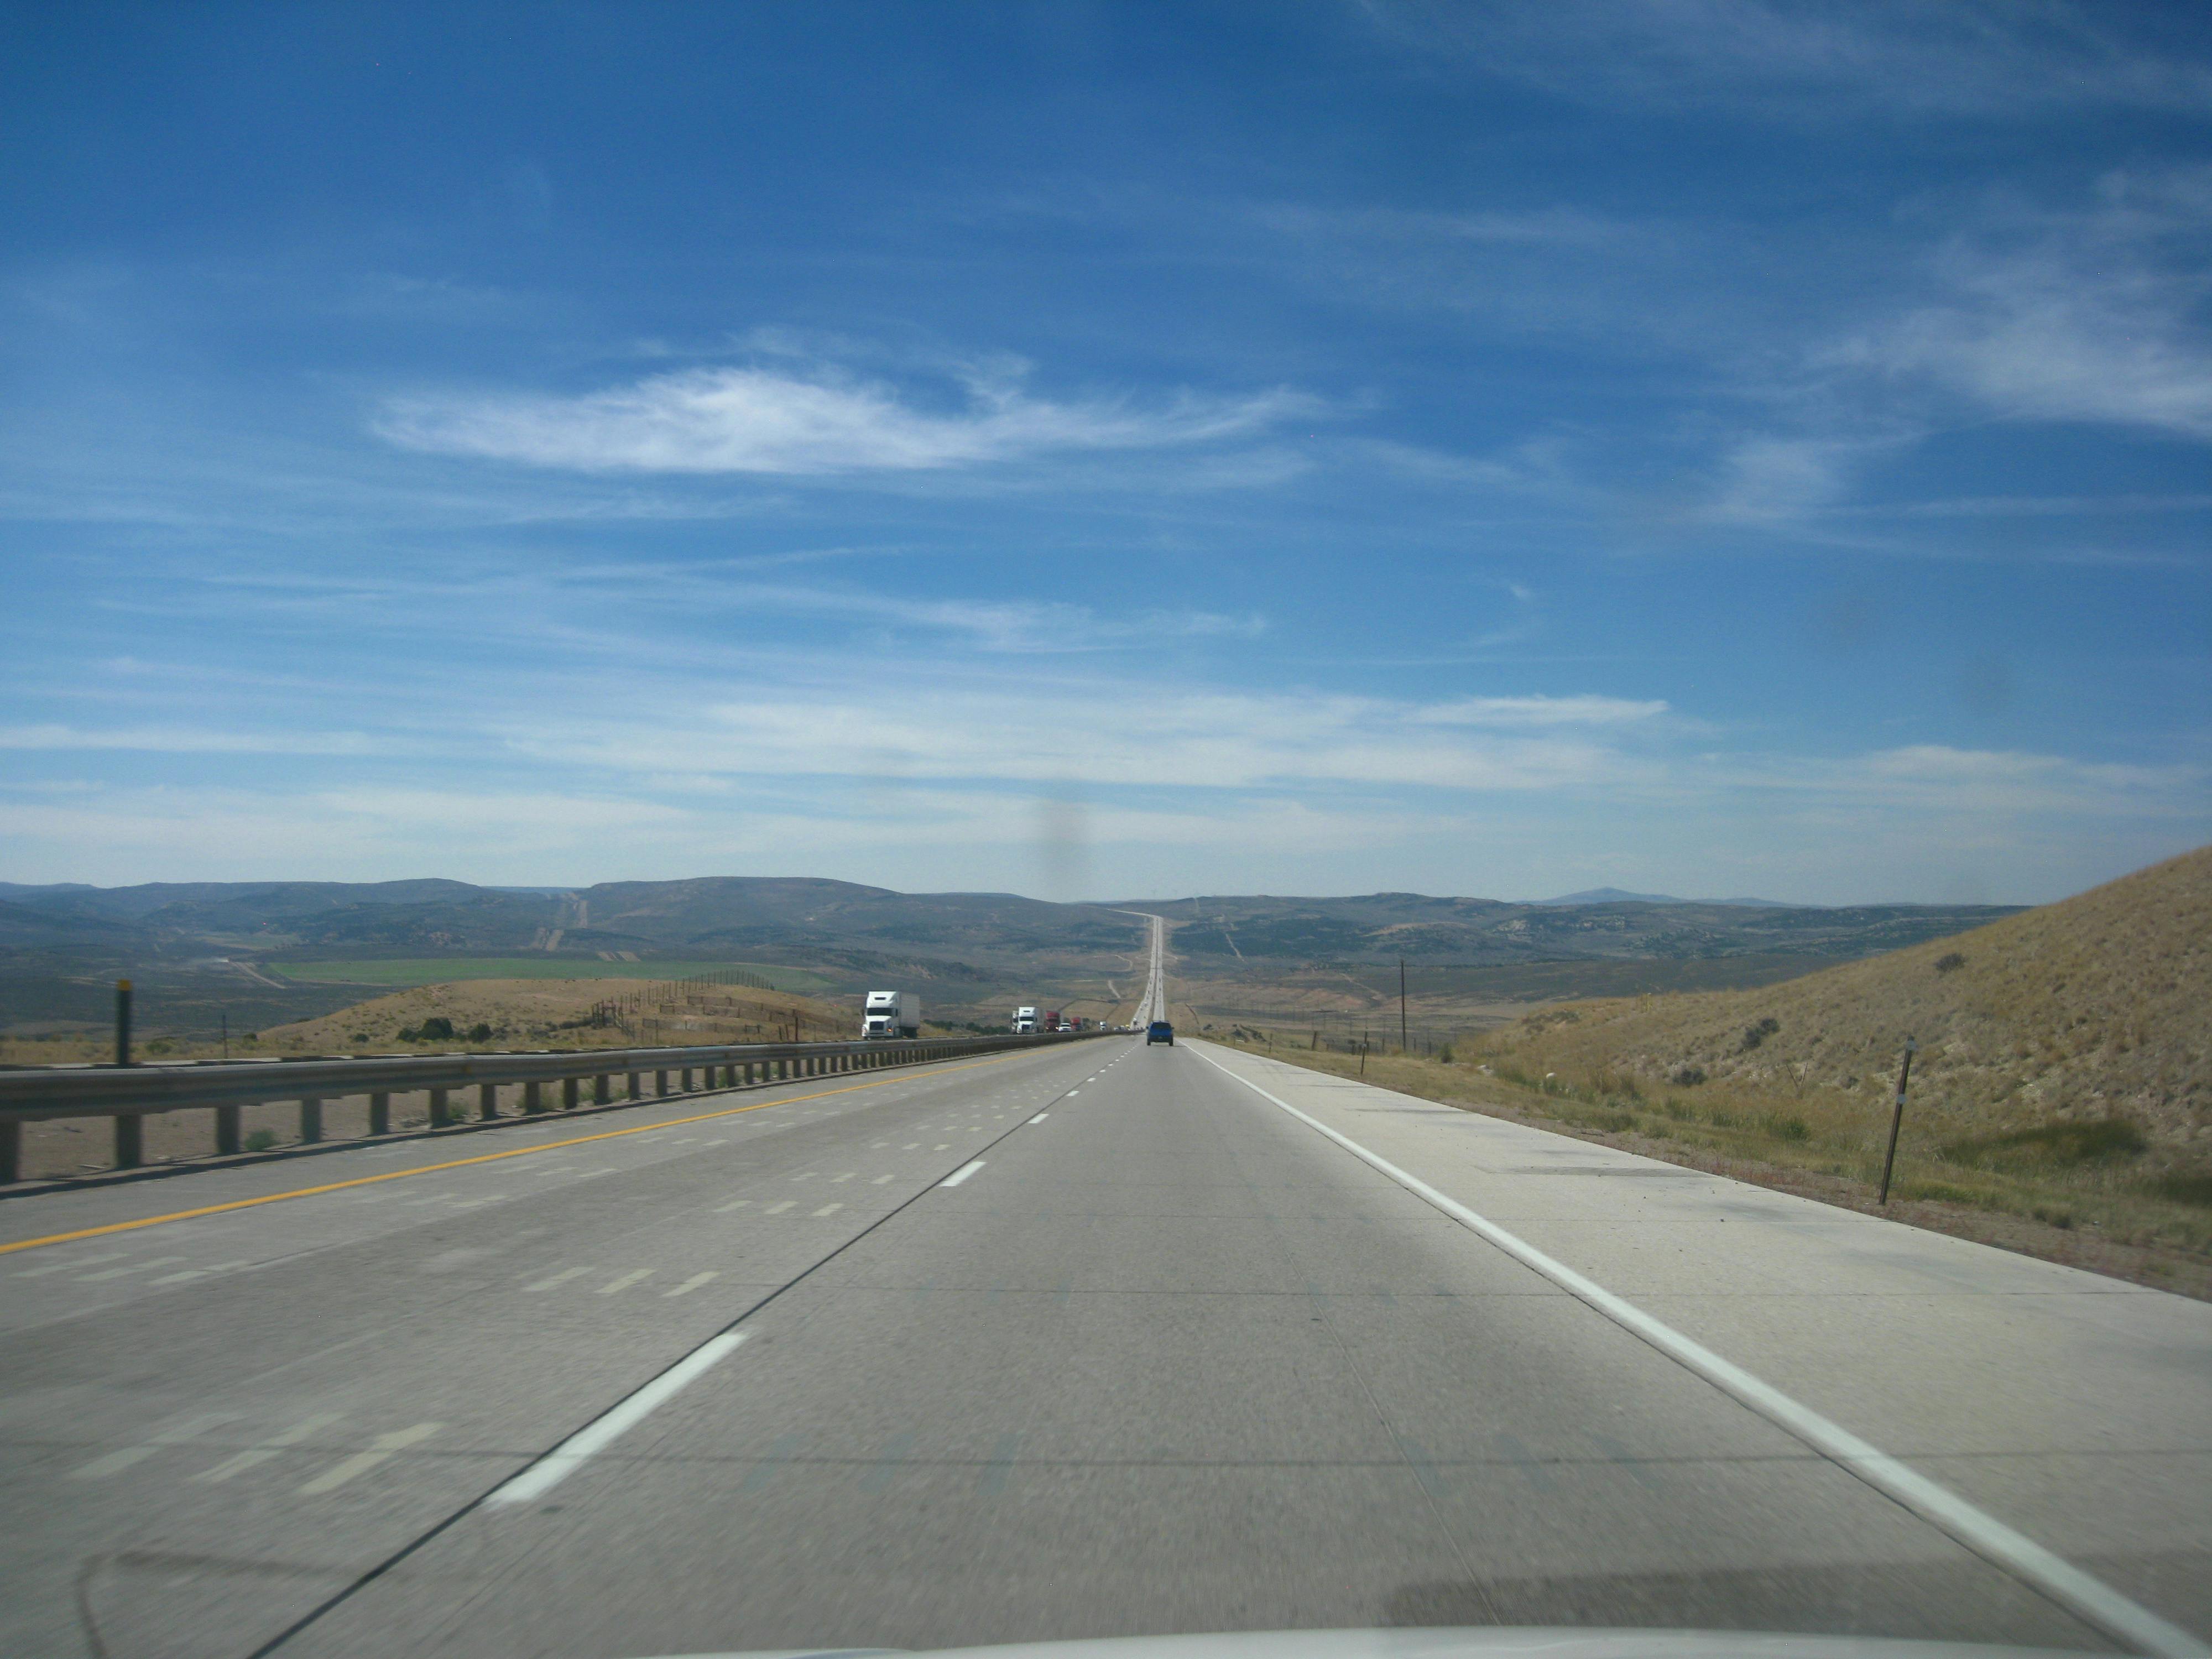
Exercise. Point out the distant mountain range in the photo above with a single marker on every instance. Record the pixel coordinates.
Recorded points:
(1617, 896)
(60, 943)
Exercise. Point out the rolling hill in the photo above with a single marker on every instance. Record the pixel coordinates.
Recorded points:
(2095, 1008)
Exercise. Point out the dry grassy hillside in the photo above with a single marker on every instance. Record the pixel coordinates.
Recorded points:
(511, 1013)
(2097, 1007)
(539, 1013)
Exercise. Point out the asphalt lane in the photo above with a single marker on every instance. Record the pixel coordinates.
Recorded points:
(209, 1426)
(1169, 1361)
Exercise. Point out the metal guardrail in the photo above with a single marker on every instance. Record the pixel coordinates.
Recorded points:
(128, 1093)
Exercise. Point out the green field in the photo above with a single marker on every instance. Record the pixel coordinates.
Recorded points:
(397, 972)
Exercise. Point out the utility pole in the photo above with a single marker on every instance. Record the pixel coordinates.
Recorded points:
(1896, 1122)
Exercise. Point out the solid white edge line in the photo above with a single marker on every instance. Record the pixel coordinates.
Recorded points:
(2090, 1598)
(595, 1437)
(960, 1174)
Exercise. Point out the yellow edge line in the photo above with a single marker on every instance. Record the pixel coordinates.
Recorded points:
(454, 1163)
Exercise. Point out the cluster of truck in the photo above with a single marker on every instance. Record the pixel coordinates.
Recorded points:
(898, 1014)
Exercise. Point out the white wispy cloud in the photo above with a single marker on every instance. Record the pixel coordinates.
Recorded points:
(1812, 59)
(1539, 711)
(1123, 734)
(190, 740)
(791, 421)
(2091, 315)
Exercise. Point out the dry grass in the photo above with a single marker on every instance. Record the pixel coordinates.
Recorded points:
(2061, 1100)
(2102, 1224)
(516, 1013)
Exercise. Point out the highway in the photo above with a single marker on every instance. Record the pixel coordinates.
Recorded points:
(1100, 1339)
(1153, 1003)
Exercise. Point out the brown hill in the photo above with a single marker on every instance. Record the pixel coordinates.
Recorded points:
(2095, 1009)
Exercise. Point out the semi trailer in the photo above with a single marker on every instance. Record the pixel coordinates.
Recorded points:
(892, 1014)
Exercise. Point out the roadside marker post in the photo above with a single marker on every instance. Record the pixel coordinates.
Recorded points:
(129, 1129)
(1896, 1121)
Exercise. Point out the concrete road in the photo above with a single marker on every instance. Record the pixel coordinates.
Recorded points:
(1096, 1340)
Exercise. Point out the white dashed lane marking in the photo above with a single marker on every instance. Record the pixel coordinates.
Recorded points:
(136, 1268)
(116, 1462)
(71, 1267)
(239, 1463)
(362, 1463)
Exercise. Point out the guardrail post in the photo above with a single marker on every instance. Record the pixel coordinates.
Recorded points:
(570, 1095)
(533, 1097)
(636, 1086)
(380, 1113)
(602, 1089)
(11, 1151)
(690, 1085)
(660, 1083)
(130, 1142)
(227, 1138)
(440, 1114)
(311, 1121)
(487, 1100)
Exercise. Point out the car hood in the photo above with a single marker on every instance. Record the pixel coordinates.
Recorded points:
(1481, 1642)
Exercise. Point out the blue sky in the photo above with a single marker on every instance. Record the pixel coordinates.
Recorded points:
(1107, 450)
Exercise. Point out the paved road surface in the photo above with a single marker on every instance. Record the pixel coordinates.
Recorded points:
(1165, 1359)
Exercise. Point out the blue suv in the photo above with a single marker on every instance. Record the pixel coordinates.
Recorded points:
(1159, 1031)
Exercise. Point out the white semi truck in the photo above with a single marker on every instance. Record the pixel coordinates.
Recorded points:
(892, 1014)
(1025, 1021)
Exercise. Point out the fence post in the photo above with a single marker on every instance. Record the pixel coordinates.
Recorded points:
(379, 1114)
(311, 1121)
(440, 1114)
(1896, 1121)
(487, 1100)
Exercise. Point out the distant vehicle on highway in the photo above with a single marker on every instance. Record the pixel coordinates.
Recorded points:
(1159, 1031)
(1025, 1021)
(1064, 1026)
(892, 1014)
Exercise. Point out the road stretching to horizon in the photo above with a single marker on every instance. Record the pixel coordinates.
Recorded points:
(1097, 1339)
